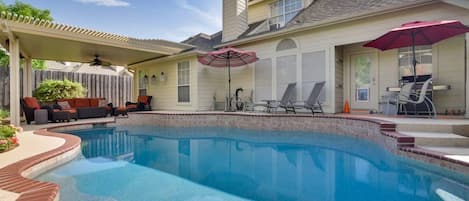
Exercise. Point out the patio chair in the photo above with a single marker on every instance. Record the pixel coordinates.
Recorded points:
(421, 97)
(312, 103)
(287, 101)
(143, 104)
(30, 104)
(399, 100)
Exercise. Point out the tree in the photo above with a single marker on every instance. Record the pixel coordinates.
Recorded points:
(24, 9)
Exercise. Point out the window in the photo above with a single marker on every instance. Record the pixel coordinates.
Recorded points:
(286, 73)
(142, 83)
(263, 80)
(184, 82)
(282, 11)
(313, 69)
(286, 44)
(423, 55)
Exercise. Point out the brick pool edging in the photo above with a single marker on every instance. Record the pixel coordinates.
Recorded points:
(16, 177)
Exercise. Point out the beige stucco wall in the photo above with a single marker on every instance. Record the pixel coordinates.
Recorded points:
(165, 93)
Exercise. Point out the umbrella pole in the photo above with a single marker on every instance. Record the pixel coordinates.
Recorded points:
(414, 60)
(229, 81)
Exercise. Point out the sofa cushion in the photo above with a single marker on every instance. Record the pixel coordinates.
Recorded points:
(94, 102)
(102, 103)
(31, 102)
(82, 102)
(64, 105)
(143, 99)
(71, 102)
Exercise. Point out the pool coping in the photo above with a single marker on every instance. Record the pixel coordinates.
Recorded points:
(16, 177)
(13, 179)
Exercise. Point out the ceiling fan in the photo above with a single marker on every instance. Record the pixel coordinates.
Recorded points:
(98, 62)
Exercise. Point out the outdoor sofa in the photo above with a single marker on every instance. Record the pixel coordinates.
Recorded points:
(88, 107)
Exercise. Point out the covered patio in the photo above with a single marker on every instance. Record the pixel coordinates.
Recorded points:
(28, 38)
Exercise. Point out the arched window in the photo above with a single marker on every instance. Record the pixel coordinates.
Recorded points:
(286, 44)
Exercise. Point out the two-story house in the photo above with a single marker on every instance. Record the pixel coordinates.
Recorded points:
(305, 41)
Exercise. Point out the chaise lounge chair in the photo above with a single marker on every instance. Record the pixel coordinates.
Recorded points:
(312, 103)
(287, 101)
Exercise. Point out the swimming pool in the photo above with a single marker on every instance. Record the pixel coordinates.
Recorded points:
(139, 163)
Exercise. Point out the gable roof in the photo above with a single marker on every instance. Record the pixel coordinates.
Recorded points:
(321, 12)
(324, 11)
(204, 41)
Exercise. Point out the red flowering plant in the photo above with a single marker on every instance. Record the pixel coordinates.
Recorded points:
(8, 139)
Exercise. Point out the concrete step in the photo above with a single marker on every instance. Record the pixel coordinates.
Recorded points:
(437, 127)
(438, 139)
(457, 153)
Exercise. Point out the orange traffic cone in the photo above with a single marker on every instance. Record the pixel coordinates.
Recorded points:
(346, 107)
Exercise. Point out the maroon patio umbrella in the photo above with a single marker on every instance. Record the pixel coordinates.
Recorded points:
(418, 33)
(228, 57)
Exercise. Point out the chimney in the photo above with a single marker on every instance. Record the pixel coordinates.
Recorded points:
(235, 19)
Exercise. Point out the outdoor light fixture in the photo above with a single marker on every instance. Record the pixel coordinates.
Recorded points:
(145, 78)
(162, 77)
(153, 79)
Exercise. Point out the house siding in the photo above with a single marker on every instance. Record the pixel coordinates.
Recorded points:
(235, 20)
(165, 93)
(363, 30)
(211, 82)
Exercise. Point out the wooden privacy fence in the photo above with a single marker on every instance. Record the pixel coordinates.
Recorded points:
(116, 89)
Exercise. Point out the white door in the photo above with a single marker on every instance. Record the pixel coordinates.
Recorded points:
(364, 87)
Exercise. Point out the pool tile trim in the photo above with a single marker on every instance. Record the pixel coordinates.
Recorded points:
(400, 144)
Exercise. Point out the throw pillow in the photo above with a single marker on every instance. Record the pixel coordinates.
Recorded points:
(102, 103)
(64, 105)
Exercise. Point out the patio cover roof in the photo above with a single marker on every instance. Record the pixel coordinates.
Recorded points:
(41, 39)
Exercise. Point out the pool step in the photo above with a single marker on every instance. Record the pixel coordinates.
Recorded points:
(457, 153)
(435, 127)
(438, 139)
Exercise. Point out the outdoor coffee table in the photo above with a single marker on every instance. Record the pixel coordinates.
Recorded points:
(61, 116)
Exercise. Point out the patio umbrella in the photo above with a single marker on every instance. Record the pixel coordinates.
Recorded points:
(418, 33)
(228, 57)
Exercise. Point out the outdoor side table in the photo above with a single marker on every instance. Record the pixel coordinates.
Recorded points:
(40, 116)
(61, 116)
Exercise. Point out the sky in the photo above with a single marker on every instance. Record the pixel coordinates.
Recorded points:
(173, 20)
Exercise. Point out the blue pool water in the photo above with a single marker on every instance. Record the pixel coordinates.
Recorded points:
(151, 163)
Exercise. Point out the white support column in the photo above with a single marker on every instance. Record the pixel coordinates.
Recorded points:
(14, 81)
(467, 75)
(28, 78)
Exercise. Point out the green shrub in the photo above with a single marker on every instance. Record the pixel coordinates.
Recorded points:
(4, 114)
(51, 90)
